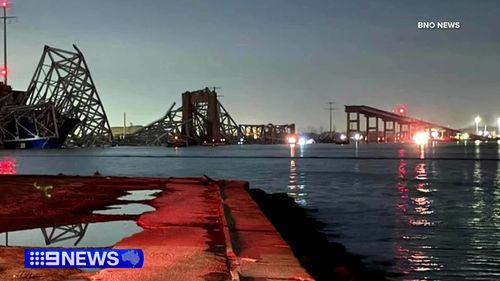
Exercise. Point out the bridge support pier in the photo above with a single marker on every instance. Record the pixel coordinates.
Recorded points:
(371, 128)
(353, 121)
(385, 131)
(396, 127)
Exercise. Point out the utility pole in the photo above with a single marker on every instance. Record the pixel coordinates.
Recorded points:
(5, 71)
(124, 124)
(331, 109)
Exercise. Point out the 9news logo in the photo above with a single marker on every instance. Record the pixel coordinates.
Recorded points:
(83, 258)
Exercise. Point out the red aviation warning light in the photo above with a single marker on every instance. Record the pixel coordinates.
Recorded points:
(4, 71)
(4, 4)
(401, 110)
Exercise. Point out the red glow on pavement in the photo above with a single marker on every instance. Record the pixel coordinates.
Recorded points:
(8, 167)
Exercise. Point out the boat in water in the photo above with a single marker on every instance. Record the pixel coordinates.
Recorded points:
(26, 139)
(25, 126)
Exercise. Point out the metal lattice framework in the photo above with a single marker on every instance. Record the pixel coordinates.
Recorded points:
(29, 122)
(229, 129)
(160, 131)
(63, 79)
(206, 120)
(200, 119)
(66, 232)
(267, 134)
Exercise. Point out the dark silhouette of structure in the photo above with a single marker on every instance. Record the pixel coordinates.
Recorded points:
(60, 107)
(395, 127)
(63, 79)
(202, 119)
(266, 134)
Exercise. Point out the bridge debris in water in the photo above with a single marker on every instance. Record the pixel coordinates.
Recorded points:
(203, 120)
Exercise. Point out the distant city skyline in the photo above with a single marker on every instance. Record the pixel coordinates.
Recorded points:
(275, 61)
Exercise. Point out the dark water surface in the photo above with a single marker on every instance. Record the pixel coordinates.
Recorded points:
(433, 215)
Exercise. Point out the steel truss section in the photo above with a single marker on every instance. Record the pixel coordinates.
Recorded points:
(230, 131)
(160, 131)
(28, 122)
(201, 119)
(206, 120)
(66, 232)
(63, 78)
(266, 134)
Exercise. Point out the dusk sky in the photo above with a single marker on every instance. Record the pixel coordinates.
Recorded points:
(275, 61)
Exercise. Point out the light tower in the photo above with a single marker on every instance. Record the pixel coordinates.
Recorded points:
(498, 127)
(477, 120)
(4, 71)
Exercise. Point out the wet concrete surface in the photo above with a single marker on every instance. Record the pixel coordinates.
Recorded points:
(199, 230)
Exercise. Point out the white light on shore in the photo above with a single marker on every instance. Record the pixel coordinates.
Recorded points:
(357, 137)
(421, 138)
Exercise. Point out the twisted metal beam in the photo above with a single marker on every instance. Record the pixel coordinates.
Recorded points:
(63, 78)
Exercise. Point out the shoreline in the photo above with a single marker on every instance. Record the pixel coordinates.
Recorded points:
(201, 229)
(322, 259)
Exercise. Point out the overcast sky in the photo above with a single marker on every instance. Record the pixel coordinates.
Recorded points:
(277, 61)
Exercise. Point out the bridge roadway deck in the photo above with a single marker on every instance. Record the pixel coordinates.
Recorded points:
(390, 116)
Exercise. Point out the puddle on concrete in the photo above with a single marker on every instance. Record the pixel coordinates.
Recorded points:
(139, 195)
(125, 209)
(99, 234)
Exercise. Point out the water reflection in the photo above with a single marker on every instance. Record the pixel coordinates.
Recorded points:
(95, 234)
(415, 221)
(66, 232)
(8, 166)
(54, 235)
(293, 150)
(401, 204)
(421, 151)
(296, 184)
(496, 196)
(478, 150)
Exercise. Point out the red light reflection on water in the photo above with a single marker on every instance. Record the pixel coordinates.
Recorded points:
(414, 209)
(8, 166)
(401, 153)
(293, 150)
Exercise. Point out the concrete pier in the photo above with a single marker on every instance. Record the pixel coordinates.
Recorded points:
(201, 229)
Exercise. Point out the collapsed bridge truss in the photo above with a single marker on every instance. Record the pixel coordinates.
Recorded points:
(63, 79)
(202, 119)
(160, 131)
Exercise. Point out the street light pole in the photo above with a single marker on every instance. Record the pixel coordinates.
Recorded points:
(5, 71)
(477, 120)
(498, 127)
(4, 6)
